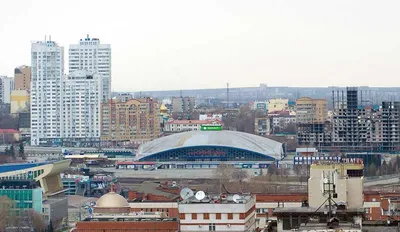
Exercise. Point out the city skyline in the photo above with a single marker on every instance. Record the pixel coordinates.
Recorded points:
(190, 45)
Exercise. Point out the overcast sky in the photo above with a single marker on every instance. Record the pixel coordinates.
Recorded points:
(181, 44)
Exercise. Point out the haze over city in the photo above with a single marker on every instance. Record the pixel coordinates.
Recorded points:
(204, 44)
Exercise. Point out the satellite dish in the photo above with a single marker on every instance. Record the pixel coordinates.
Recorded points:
(200, 195)
(186, 193)
(236, 198)
(326, 180)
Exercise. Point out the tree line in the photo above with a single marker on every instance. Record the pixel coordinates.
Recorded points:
(14, 152)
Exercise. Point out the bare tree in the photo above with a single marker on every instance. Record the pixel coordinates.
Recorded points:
(240, 175)
(301, 172)
(15, 219)
(272, 170)
(6, 212)
(223, 173)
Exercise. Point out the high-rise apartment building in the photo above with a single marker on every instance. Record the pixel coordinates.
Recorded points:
(386, 126)
(22, 77)
(353, 123)
(47, 61)
(135, 121)
(6, 86)
(311, 119)
(183, 104)
(81, 101)
(91, 55)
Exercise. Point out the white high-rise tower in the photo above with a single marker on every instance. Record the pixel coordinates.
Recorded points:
(81, 97)
(94, 57)
(47, 70)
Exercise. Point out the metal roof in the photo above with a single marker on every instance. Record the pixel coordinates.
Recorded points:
(224, 138)
(20, 166)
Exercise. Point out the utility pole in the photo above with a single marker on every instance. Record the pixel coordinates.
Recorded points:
(227, 95)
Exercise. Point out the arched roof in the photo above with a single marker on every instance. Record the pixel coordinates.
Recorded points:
(224, 138)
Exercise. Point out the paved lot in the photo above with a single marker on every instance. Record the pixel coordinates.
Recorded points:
(169, 173)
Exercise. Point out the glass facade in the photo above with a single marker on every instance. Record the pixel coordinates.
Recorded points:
(207, 153)
(25, 198)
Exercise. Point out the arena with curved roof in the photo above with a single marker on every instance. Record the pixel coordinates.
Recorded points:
(211, 146)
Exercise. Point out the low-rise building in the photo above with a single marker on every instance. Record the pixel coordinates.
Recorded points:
(218, 213)
(112, 212)
(306, 151)
(19, 101)
(26, 193)
(188, 125)
(9, 136)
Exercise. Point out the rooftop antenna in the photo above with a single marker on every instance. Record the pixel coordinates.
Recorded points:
(87, 36)
(180, 93)
(200, 195)
(50, 38)
(186, 193)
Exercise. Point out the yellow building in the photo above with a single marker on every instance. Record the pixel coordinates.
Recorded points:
(310, 110)
(135, 121)
(19, 101)
(344, 180)
(278, 104)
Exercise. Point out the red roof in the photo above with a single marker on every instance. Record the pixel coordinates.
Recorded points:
(9, 131)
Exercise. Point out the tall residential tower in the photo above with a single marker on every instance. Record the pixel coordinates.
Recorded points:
(81, 101)
(47, 60)
(92, 56)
